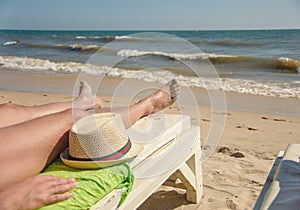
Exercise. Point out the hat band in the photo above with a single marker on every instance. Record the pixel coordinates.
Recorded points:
(113, 156)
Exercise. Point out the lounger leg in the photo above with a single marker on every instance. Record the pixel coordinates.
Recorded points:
(191, 177)
(190, 174)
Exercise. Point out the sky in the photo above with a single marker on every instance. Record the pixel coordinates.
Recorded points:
(149, 14)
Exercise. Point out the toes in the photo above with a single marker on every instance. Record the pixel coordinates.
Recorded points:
(174, 89)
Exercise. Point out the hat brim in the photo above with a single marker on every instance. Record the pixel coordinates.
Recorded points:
(93, 164)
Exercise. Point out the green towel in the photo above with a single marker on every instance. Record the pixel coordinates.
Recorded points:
(92, 185)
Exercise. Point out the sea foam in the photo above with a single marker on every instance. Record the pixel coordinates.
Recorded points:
(266, 88)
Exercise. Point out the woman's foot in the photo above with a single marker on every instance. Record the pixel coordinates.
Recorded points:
(36, 192)
(163, 97)
(85, 99)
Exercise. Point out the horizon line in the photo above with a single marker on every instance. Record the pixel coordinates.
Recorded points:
(242, 29)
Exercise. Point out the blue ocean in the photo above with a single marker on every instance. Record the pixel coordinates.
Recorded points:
(261, 62)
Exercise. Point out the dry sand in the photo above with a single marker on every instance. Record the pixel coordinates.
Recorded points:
(229, 182)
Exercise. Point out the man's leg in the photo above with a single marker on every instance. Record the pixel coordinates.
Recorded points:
(12, 114)
(162, 98)
(26, 147)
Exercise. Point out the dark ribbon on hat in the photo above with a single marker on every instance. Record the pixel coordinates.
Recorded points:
(113, 156)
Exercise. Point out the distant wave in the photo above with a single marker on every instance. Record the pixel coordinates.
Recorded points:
(266, 88)
(94, 38)
(125, 38)
(279, 65)
(228, 43)
(80, 37)
(234, 43)
(284, 65)
(179, 56)
(79, 47)
(11, 43)
(109, 38)
(74, 38)
(76, 46)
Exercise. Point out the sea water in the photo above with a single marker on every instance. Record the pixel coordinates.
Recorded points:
(260, 62)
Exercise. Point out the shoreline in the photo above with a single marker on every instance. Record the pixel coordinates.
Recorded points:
(229, 182)
(119, 87)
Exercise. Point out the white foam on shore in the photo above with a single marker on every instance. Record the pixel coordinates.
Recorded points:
(270, 88)
(33, 64)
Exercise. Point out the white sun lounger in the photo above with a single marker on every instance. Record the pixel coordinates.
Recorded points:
(282, 187)
(174, 154)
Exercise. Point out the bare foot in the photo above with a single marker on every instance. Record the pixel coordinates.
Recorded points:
(36, 192)
(163, 97)
(85, 99)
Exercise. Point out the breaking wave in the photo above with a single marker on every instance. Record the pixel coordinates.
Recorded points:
(266, 88)
(76, 46)
(287, 65)
(11, 43)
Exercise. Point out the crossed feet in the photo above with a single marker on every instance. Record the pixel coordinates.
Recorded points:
(39, 191)
(160, 99)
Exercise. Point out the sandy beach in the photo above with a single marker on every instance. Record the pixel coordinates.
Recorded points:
(257, 130)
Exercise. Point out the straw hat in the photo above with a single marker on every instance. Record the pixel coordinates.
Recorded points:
(99, 141)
